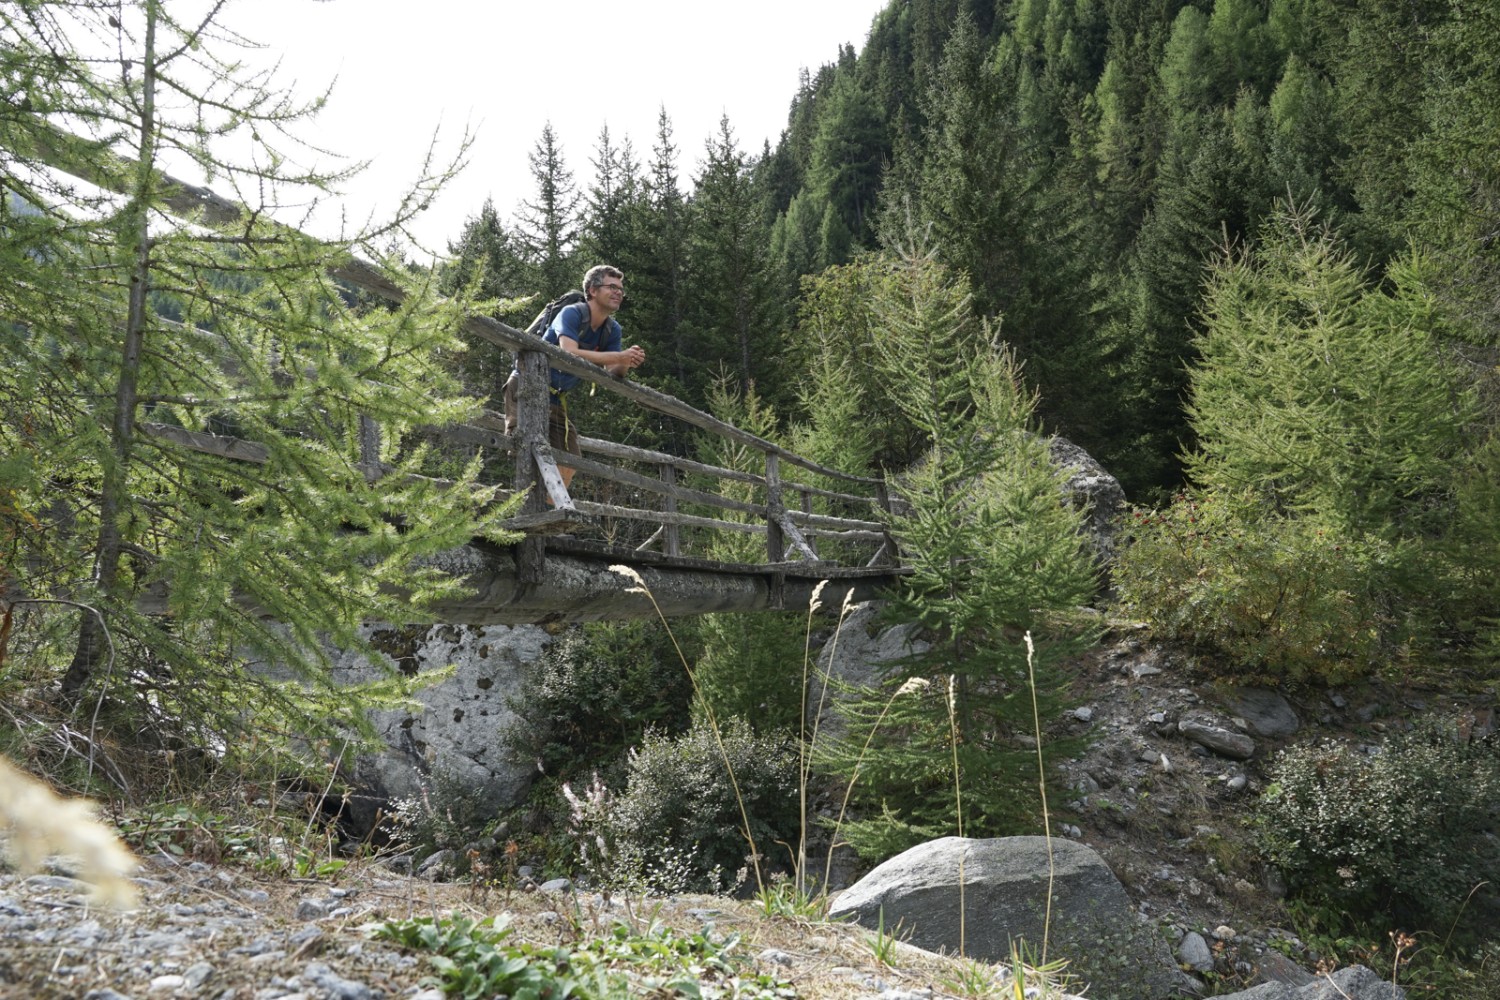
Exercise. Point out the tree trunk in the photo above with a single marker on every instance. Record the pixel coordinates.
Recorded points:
(115, 487)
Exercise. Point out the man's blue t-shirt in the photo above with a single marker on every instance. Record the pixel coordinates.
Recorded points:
(573, 322)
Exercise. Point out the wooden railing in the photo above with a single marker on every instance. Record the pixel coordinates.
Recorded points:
(791, 530)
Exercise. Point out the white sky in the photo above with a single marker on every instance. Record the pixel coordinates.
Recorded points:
(503, 68)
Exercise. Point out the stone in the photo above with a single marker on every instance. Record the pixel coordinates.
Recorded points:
(1098, 494)
(1218, 739)
(859, 658)
(336, 987)
(1274, 967)
(448, 746)
(1352, 983)
(166, 984)
(1005, 884)
(1265, 713)
(556, 885)
(1193, 951)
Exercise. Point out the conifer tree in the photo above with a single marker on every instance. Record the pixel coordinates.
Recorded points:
(183, 559)
(727, 263)
(548, 224)
(994, 554)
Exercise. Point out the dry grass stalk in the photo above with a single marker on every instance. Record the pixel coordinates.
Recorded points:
(36, 824)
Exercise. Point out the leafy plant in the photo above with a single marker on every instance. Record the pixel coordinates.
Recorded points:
(1401, 832)
(1272, 596)
(474, 960)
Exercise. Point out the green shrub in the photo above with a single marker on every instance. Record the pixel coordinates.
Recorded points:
(678, 824)
(1275, 596)
(596, 692)
(1400, 832)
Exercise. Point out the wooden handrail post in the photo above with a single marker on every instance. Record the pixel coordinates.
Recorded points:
(671, 536)
(775, 510)
(807, 508)
(531, 434)
(369, 447)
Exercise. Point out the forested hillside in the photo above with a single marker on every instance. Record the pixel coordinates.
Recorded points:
(1082, 161)
(1244, 252)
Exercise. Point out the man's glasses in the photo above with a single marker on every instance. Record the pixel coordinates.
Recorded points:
(614, 288)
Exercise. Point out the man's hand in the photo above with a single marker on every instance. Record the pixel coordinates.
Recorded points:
(632, 357)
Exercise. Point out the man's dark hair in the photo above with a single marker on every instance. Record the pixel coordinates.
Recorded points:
(597, 274)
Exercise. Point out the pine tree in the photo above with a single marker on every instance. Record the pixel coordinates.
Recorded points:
(1327, 395)
(548, 225)
(730, 278)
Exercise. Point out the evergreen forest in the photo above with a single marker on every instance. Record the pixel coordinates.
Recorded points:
(1245, 253)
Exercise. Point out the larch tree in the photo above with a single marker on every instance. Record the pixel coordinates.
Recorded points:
(185, 566)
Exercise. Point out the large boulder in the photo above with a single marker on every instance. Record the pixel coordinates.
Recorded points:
(1353, 983)
(1093, 926)
(1090, 488)
(449, 748)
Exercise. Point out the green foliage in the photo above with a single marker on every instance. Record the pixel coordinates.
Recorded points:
(1400, 832)
(1324, 393)
(596, 692)
(994, 555)
(117, 347)
(748, 660)
(683, 798)
(475, 960)
(1271, 597)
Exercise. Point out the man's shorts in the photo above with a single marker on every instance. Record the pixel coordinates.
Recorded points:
(562, 432)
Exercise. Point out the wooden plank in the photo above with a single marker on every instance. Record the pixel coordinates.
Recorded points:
(790, 532)
(237, 449)
(548, 521)
(546, 467)
(627, 478)
(471, 435)
(661, 517)
(645, 456)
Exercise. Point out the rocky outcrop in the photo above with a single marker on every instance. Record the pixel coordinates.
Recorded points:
(452, 743)
(1004, 903)
(1353, 983)
(1093, 490)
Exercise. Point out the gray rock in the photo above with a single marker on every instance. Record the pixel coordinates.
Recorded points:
(197, 974)
(1353, 983)
(1093, 490)
(335, 985)
(556, 885)
(1005, 884)
(1217, 738)
(449, 745)
(314, 909)
(1266, 713)
(1274, 967)
(1194, 951)
(104, 993)
(435, 863)
(860, 657)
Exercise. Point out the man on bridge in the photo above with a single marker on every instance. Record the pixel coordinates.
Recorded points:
(587, 330)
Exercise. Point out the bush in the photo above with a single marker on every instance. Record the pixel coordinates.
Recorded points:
(596, 692)
(1274, 596)
(678, 824)
(1401, 831)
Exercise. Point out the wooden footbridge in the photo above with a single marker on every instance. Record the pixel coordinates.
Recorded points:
(816, 523)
